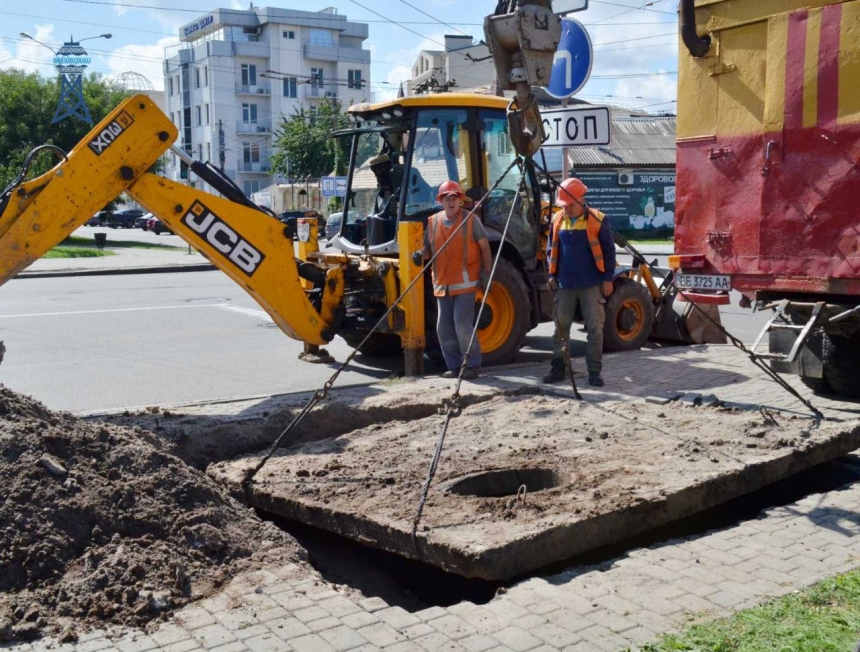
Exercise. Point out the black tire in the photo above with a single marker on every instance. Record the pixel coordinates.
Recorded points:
(817, 385)
(379, 344)
(841, 356)
(629, 316)
(507, 316)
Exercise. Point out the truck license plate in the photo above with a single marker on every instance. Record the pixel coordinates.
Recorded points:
(303, 231)
(703, 282)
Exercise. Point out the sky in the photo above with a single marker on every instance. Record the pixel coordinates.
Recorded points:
(635, 42)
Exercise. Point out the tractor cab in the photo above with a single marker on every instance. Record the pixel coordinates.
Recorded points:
(400, 153)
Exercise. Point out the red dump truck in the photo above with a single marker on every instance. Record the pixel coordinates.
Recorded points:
(768, 183)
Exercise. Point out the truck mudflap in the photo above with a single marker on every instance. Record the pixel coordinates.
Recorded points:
(686, 322)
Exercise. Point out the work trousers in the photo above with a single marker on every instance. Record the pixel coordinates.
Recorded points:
(593, 305)
(456, 319)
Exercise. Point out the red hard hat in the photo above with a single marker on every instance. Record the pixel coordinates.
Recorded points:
(571, 191)
(449, 187)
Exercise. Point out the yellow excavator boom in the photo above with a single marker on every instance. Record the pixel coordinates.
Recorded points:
(246, 244)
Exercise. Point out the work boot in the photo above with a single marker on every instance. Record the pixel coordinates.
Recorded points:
(451, 373)
(595, 380)
(556, 374)
(470, 373)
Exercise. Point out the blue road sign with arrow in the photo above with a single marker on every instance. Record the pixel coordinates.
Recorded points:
(571, 65)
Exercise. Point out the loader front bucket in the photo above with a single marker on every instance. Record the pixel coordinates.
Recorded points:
(681, 321)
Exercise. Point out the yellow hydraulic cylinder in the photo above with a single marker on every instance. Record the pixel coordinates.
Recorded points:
(410, 238)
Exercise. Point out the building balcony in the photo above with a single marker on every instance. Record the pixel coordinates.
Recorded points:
(260, 167)
(261, 126)
(261, 88)
(330, 52)
(314, 92)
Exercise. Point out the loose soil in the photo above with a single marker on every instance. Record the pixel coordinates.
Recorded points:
(612, 458)
(102, 525)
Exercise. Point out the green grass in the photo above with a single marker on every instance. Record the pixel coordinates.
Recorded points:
(80, 241)
(822, 618)
(76, 252)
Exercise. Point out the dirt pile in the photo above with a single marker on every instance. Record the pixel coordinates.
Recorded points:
(100, 525)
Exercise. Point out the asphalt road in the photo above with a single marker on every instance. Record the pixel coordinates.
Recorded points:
(96, 343)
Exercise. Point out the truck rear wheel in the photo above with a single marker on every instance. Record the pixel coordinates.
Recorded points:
(506, 318)
(629, 316)
(379, 344)
(841, 357)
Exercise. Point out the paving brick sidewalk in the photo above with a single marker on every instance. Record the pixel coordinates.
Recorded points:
(613, 606)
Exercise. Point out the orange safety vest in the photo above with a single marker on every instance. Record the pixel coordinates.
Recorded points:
(458, 269)
(592, 228)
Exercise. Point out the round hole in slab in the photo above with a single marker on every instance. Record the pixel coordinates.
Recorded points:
(506, 482)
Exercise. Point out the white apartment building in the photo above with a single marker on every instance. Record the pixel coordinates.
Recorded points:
(237, 73)
(462, 67)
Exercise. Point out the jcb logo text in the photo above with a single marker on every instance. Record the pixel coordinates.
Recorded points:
(217, 233)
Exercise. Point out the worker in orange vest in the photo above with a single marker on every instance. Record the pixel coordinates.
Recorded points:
(458, 271)
(581, 261)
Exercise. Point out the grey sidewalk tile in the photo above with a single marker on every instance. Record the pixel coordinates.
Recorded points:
(381, 634)
(612, 621)
(267, 643)
(309, 614)
(359, 620)
(292, 601)
(92, 645)
(576, 603)
(603, 638)
(726, 599)
(339, 606)
(373, 604)
(477, 643)
(639, 635)
(657, 605)
(310, 643)
(405, 646)
(516, 639)
(322, 624)
(437, 612)
(287, 628)
(343, 638)
(417, 631)
(653, 621)
(235, 618)
(556, 635)
(689, 585)
(695, 604)
(506, 609)
(235, 646)
(213, 635)
(244, 633)
(452, 627)
(181, 646)
(195, 617)
(530, 622)
(616, 605)
(438, 642)
(583, 646)
(397, 617)
(570, 621)
(271, 614)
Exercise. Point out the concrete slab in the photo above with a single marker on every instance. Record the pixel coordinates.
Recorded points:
(563, 476)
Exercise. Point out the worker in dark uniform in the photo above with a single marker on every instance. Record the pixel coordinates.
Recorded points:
(581, 261)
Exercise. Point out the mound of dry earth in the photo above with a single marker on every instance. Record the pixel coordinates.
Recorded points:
(101, 525)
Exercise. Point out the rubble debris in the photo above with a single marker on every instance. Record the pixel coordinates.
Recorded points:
(690, 399)
(100, 525)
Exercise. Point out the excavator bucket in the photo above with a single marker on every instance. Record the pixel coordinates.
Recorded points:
(681, 321)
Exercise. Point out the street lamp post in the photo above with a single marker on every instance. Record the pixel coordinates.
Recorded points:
(70, 60)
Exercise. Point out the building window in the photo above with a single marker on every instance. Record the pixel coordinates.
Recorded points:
(206, 112)
(197, 78)
(199, 115)
(317, 77)
(200, 152)
(251, 152)
(208, 151)
(289, 34)
(290, 87)
(249, 74)
(249, 113)
(251, 186)
(320, 37)
(170, 86)
(354, 79)
(206, 76)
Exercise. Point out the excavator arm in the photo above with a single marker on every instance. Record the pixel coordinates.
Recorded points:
(246, 244)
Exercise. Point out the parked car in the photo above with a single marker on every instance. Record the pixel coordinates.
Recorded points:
(332, 225)
(157, 226)
(141, 222)
(290, 219)
(99, 219)
(125, 218)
